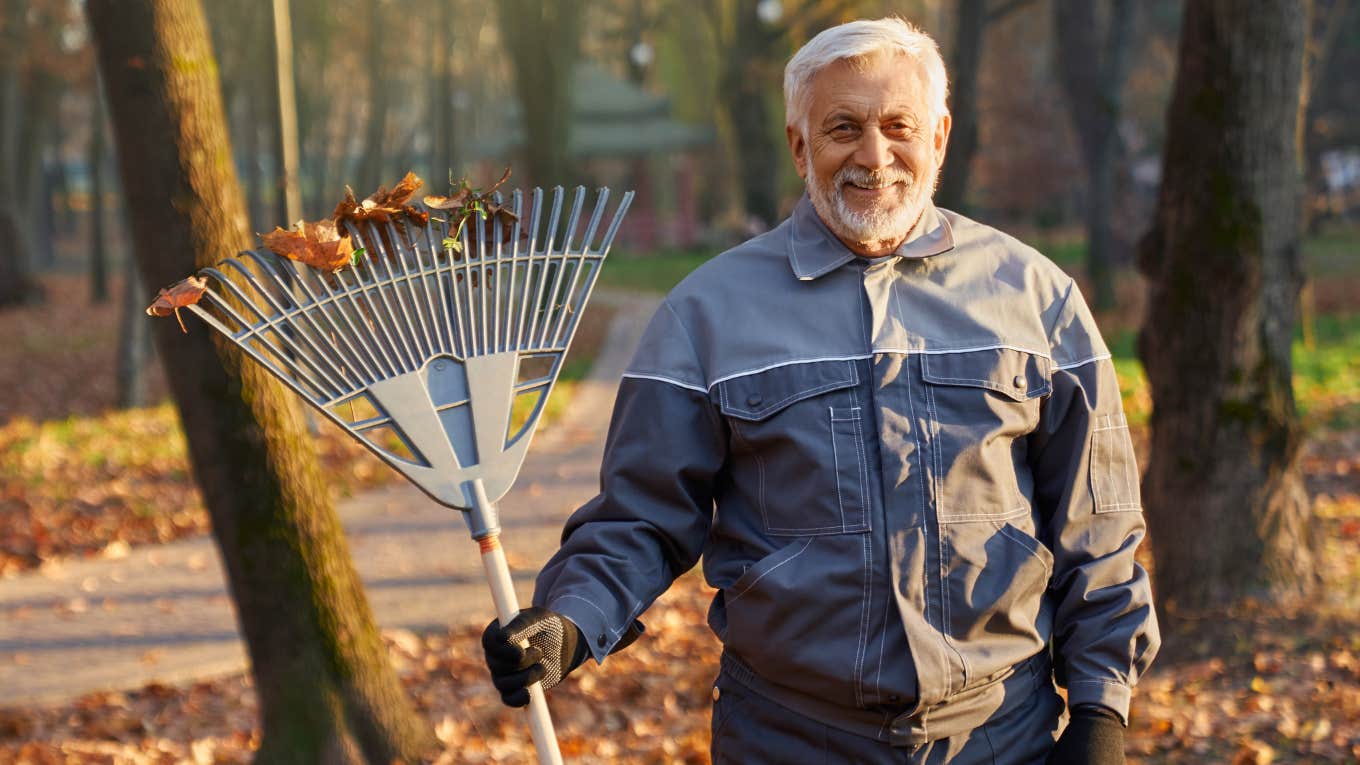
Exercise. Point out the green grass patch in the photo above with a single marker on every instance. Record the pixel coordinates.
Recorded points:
(654, 272)
(1332, 252)
(1326, 376)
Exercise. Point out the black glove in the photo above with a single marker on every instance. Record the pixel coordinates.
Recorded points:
(556, 647)
(1094, 736)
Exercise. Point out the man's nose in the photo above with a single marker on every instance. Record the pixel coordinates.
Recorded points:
(874, 150)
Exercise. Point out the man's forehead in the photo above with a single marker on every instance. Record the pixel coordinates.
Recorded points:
(895, 82)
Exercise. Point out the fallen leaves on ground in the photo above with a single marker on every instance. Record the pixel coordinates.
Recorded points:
(1256, 685)
(1264, 687)
(84, 486)
(647, 705)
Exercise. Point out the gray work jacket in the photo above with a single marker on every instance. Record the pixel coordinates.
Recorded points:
(910, 479)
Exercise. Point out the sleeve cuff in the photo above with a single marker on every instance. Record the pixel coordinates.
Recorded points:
(600, 638)
(1109, 694)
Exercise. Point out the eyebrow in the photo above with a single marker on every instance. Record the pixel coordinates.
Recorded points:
(840, 115)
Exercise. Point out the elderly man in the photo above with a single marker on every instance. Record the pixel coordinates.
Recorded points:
(895, 436)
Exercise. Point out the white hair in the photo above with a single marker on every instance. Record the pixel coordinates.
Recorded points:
(859, 42)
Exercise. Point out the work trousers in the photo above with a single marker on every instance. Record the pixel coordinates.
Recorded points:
(749, 729)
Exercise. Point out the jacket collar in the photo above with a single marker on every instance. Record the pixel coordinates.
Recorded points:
(814, 251)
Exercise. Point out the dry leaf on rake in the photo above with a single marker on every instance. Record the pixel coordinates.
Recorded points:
(382, 205)
(318, 245)
(182, 293)
(467, 203)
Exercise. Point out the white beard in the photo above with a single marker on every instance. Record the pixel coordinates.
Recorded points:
(885, 221)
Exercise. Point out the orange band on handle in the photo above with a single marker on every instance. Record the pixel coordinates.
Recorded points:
(489, 544)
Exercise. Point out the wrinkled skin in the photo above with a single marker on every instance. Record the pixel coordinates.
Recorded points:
(870, 150)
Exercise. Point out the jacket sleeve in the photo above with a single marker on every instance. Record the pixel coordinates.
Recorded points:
(648, 524)
(1086, 485)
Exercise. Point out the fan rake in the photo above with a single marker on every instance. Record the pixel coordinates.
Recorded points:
(437, 350)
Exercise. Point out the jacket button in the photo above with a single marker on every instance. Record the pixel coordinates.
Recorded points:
(754, 399)
(601, 641)
(717, 694)
(1019, 382)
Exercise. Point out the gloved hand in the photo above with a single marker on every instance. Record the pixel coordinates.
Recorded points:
(1094, 736)
(556, 647)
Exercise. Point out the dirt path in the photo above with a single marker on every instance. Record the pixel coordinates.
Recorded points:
(162, 612)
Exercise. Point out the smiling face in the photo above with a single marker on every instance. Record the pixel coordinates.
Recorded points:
(869, 150)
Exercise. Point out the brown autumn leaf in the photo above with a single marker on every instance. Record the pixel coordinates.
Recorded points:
(178, 295)
(382, 205)
(468, 204)
(318, 245)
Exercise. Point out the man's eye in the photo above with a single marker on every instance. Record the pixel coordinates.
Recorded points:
(844, 128)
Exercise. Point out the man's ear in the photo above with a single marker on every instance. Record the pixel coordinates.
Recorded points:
(941, 137)
(798, 146)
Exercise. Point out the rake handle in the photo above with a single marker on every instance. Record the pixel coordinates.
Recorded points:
(507, 608)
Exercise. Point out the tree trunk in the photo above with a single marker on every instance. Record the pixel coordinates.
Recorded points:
(1093, 65)
(326, 690)
(441, 102)
(544, 40)
(285, 128)
(99, 251)
(259, 213)
(16, 283)
(748, 75)
(134, 341)
(964, 61)
(375, 133)
(1228, 515)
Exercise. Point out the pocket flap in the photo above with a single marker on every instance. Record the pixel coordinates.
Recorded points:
(1015, 374)
(758, 395)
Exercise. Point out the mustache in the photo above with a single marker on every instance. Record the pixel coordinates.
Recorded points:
(873, 178)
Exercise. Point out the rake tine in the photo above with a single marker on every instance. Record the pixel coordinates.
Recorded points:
(282, 342)
(601, 200)
(366, 313)
(465, 239)
(422, 272)
(614, 224)
(266, 360)
(496, 235)
(517, 204)
(250, 331)
(585, 259)
(362, 371)
(481, 285)
(384, 318)
(451, 278)
(386, 287)
(445, 330)
(552, 309)
(529, 261)
(317, 353)
(398, 240)
(343, 303)
(597, 259)
(546, 266)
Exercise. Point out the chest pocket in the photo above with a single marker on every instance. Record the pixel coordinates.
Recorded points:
(798, 447)
(980, 404)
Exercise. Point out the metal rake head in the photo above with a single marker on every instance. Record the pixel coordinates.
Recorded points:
(437, 359)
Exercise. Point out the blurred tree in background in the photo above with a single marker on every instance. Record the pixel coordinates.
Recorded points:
(544, 41)
(1093, 60)
(1223, 491)
(327, 692)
